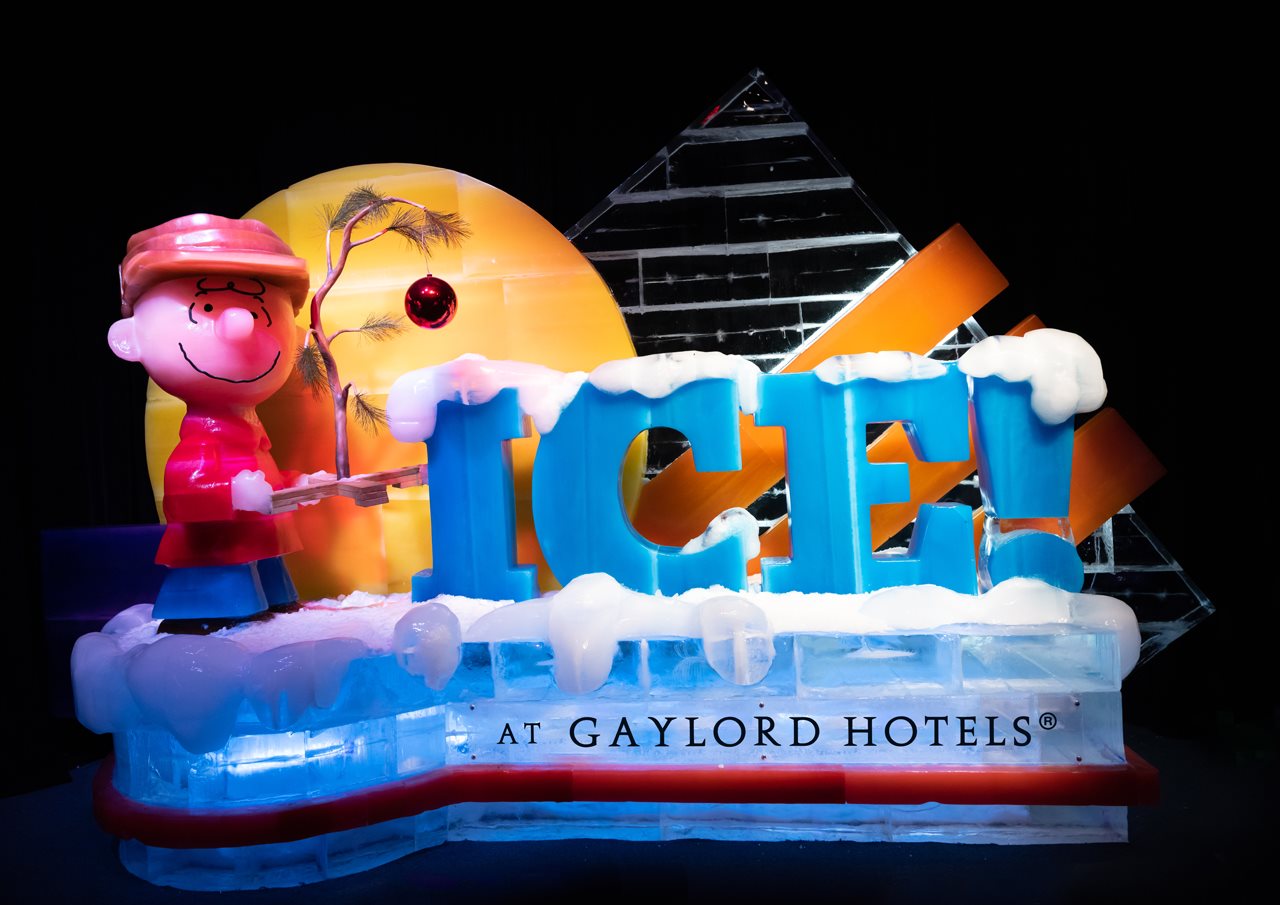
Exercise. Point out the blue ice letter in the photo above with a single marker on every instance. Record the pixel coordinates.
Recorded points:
(831, 486)
(473, 519)
(577, 497)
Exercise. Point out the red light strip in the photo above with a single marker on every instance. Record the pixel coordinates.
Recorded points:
(1133, 783)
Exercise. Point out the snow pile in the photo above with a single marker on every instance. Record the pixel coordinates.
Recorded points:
(661, 375)
(890, 367)
(735, 522)
(1064, 372)
(544, 393)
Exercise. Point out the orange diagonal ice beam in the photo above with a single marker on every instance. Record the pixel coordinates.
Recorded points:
(934, 291)
(929, 481)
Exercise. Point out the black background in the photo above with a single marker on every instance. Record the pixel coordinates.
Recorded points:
(1099, 201)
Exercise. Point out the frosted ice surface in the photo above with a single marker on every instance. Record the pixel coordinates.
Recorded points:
(736, 639)
(428, 643)
(891, 367)
(291, 671)
(660, 375)
(1064, 370)
(1123, 559)
(127, 620)
(103, 701)
(736, 522)
(526, 622)
(1086, 609)
(250, 492)
(282, 684)
(543, 393)
(192, 685)
(582, 626)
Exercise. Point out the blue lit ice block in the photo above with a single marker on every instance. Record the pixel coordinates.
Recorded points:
(971, 694)
(1007, 679)
(335, 855)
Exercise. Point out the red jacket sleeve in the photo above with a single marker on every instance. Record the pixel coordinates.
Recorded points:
(196, 485)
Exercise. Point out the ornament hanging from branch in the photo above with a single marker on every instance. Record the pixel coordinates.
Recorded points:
(430, 302)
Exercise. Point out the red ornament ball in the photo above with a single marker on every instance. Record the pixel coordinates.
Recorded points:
(430, 302)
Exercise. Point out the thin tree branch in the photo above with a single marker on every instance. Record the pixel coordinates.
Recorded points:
(367, 239)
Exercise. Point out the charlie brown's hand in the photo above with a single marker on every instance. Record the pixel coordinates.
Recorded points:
(250, 492)
(315, 477)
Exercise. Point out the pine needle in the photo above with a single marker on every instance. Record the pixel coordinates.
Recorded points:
(448, 229)
(378, 327)
(408, 225)
(311, 369)
(422, 229)
(368, 415)
(355, 201)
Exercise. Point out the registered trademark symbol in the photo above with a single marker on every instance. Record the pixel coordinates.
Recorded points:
(1048, 720)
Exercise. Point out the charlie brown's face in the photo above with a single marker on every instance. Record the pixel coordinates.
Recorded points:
(211, 340)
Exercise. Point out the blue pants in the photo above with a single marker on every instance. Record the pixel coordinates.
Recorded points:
(224, 592)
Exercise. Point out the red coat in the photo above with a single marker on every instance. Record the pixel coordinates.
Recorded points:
(203, 529)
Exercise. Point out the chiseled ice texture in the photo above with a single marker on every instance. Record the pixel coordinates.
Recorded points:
(891, 367)
(736, 639)
(735, 522)
(743, 234)
(333, 855)
(282, 684)
(192, 685)
(428, 643)
(1124, 559)
(1064, 371)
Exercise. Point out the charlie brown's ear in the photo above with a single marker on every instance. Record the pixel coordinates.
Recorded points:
(123, 340)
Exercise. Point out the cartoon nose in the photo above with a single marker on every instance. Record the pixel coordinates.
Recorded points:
(234, 325)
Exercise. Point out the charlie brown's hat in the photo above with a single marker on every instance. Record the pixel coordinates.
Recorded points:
(209, 244)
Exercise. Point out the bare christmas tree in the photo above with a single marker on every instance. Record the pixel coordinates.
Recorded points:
(430, 301)
(419, 226)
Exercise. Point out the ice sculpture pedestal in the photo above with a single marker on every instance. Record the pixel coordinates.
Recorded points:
(967, 733)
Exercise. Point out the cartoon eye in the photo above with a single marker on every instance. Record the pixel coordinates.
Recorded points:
(208, 307)
(255, 315)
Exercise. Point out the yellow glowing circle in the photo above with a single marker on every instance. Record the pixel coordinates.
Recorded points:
(524, 292)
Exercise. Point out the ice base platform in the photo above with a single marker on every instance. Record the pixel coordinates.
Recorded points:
(343, 736)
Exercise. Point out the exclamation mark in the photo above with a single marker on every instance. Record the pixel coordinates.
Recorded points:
(1024, 392)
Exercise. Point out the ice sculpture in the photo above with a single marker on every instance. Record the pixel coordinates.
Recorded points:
(398, 705)
(692, 677)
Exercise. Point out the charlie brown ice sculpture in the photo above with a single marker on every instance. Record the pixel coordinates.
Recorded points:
(839, 692)
(208, 305)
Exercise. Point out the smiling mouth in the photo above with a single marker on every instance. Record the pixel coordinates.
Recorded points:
(274, 362)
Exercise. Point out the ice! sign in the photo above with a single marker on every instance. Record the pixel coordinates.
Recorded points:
(1019, 395)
